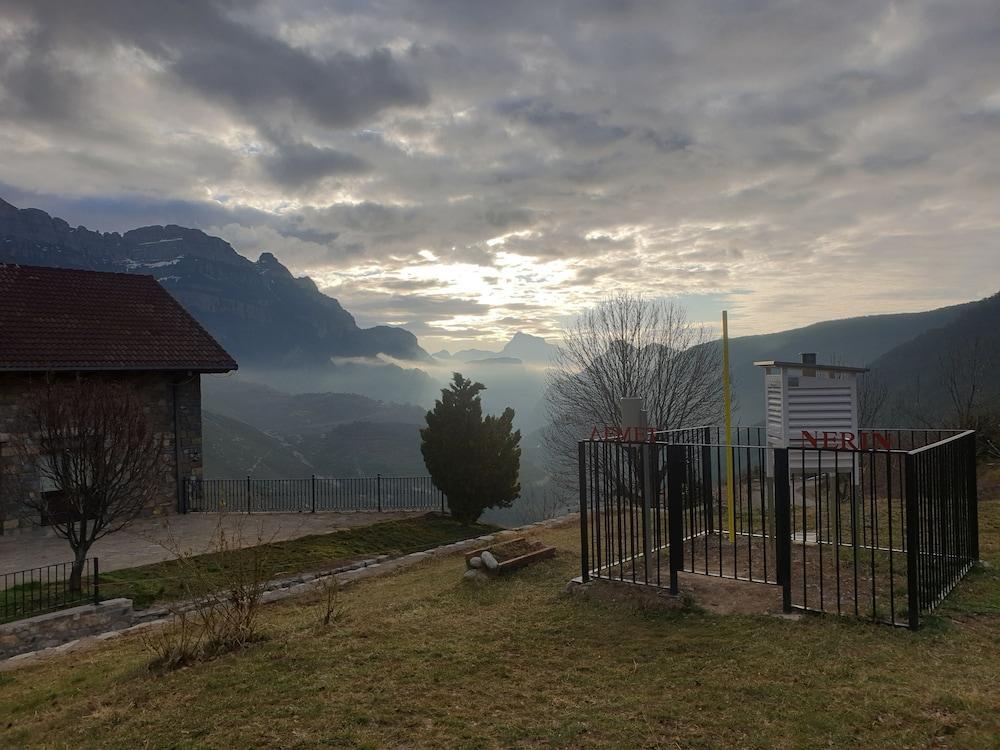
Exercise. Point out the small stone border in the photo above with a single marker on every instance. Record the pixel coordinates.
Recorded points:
(283, 588)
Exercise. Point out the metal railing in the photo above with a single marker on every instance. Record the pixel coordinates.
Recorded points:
(312, 495)
(884, 533)
(36, 591)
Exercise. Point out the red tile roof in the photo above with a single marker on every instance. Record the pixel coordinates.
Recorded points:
(66, 319)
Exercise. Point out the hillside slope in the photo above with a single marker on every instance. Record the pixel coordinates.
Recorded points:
(232, 449)
(271, 410)
(855, 341)
(962, 355)
(253, 429)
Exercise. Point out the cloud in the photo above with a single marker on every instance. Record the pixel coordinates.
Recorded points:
(299, 164)
(215, 50)
(472, 167)
(562, 126)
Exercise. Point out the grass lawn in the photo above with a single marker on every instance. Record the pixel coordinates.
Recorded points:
(421, 660)
(162, 582)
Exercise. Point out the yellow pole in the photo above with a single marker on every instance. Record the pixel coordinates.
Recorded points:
(728, 408)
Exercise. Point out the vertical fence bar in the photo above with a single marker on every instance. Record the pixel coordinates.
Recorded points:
(675, 511)
(378, 491)
(912, 544)
(584, 537)
(97, 582)
(646, 456)
(706, 485)
(782, 527)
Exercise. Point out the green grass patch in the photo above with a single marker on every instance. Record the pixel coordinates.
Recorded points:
(164, 581)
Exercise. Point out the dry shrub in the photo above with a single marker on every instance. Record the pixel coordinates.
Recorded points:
(333, 612)
(219, 612)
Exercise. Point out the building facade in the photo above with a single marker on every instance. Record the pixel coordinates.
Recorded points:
(60, 323)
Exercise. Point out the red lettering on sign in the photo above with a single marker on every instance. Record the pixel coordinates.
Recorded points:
(626, 435)
(847, 440)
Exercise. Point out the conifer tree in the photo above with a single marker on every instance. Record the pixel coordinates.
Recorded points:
(474, 460)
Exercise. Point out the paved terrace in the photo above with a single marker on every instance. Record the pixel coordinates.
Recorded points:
(151, 540)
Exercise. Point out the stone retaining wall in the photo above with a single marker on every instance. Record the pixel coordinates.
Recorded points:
(56, 628)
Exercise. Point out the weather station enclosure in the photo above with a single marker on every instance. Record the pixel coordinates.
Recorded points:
(810, 404)
(838, 517)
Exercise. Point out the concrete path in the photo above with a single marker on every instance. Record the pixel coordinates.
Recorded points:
(151, 540)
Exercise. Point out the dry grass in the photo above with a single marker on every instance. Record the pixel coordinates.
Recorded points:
(419, 660)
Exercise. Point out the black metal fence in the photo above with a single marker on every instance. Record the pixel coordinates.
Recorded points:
(35, 591)
(312, 495)
(883, 533)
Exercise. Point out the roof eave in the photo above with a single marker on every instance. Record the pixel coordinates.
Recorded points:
(807, 366)
(120, 368)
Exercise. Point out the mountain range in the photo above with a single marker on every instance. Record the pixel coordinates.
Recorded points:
(522, 348)
(263, 315)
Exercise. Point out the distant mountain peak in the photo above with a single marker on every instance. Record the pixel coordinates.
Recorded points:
(529, 348)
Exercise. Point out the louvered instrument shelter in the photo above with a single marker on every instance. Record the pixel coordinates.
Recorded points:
(806, 397)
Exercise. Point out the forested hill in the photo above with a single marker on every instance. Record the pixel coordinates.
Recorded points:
(854, 341)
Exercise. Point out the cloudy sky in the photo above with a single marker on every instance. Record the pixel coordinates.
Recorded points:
(468, 169)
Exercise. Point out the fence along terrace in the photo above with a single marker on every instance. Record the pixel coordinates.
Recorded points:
(884, 531)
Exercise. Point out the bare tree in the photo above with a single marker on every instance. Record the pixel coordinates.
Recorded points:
(968, 370)
(629, 345)
(873, 396)
(90, 443)
(969, 378)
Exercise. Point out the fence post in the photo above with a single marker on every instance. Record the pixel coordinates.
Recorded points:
(783, 526)
(912, 544)
(973, 489)
(248, 493)
(706, 479)
(675, 511)
(378, 490)
(584, 537)
(442, 498)
(312, 493)
(97, 582)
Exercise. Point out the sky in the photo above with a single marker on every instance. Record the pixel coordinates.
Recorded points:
(468, 169)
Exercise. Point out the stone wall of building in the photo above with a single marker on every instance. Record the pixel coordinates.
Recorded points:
(173, 401)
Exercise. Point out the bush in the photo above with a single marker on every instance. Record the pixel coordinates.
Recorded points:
(219, 611)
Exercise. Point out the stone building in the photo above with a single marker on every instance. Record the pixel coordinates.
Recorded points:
(61, 323)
